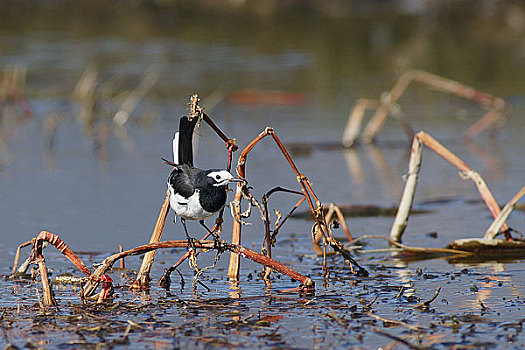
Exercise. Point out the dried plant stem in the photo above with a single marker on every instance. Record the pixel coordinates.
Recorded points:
(498, 107)
(399, 323)
(230, 143)
(491, 118)
(405, 248)
(45, 236)
(270, 238)
(233, 271)
(12, 83)
(84, 92)
(316, 209)
(38, 258)
(351, 132)
(278, 228)
(143, 278)
(17, 256)
(405, 206)
(332, 208)
(425, 305)
(407, 198)
(122, 262)
(425, 250)
(267, 237)
(131, 102)
(234, 265)
(400, 340)
(502, 217)
(94, 280)
(47, 297)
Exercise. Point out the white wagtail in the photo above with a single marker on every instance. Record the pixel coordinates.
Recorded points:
(195, 194)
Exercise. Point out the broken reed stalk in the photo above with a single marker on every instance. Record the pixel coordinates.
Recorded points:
(498, 106)
(107, 286)
(122, 262)
(395, 322)
(405, 205)
(84, 93)
(407, 198)
(94, 280)
(351, 132)
(143, 278)
(425, 250)
(230, 143)
(317, 210)
(17, 256)
(267, 237)
(47, 294)
(353, 126)
(491, 118)
(38, 258)
(234, 266)
(332, 208)
(502, 217)
(410, 249)
(318, 213)
(270, 238)
(131, 102)
(45, 236)
(13, 82)
(426, 304)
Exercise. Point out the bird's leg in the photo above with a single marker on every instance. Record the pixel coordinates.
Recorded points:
(191, 240)
(215, 236)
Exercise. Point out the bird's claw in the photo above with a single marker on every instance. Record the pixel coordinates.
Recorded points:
(217, 243)
(191, 243)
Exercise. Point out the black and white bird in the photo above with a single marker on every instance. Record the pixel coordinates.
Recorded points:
(195, 194)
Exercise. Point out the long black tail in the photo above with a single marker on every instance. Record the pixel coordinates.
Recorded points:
(185, 149)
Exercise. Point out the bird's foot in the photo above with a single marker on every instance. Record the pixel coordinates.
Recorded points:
(191, 243)
(217, 243)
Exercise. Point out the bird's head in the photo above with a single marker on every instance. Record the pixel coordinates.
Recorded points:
(221, 177)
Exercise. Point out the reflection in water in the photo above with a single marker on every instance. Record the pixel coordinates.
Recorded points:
(235, 289)
(386, 173)
(380, 166)
(354, 165)
(405, 276)
(492, 288)
(50, 127)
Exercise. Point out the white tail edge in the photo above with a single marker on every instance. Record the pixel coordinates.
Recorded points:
(175, 147)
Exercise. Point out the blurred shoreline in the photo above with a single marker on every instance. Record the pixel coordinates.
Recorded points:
(459, 9)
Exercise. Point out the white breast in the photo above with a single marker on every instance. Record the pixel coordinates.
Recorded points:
(188, 208)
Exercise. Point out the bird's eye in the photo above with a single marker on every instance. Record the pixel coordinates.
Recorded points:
(218, 177)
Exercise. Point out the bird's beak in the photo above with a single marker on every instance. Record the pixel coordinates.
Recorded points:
(239, 181)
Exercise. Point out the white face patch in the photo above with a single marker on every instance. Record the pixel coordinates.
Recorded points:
(221, 177)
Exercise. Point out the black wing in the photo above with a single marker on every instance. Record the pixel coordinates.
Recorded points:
(181, 181)
(185, 151)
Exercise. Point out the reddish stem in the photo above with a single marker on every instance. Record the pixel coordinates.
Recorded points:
(64, 249)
